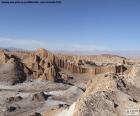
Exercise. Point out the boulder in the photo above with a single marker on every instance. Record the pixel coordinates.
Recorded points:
(39, 97)
(12, 73)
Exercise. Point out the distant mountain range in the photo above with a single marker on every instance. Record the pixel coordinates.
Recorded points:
(124, 53)
(13, 49)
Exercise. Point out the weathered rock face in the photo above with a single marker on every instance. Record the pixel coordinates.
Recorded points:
(111, 95)
(81, 65)
(44, 65)
(42, 52)
(102, 69)
(100, 105)
(120, 69)
(35, 65)
(3, 57)
(12, 73)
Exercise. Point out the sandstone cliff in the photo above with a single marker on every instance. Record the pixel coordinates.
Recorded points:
(45, 65)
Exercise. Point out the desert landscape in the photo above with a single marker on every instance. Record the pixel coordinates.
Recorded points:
(42, 83)
(69, 57)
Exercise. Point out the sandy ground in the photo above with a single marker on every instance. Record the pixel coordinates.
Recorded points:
(58, 95)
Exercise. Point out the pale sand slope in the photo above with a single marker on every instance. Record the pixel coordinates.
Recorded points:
(106, 96)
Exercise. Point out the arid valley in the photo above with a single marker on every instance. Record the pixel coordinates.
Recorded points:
(42, 83)
(69, 57)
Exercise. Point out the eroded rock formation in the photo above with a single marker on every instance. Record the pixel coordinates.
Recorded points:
(111, 95)
(45, 65)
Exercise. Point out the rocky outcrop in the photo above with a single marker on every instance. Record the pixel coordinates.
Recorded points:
(111, 95)
(42, 65)
(3, 57)
(77, 65)
(13, 99)
(38, 97)
(34, 65)
(101, 69)
(12, 73)
(42, 52)
(45, 65)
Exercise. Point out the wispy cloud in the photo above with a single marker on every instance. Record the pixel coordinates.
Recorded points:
(32, 44)
(83, 47)
(22, 43)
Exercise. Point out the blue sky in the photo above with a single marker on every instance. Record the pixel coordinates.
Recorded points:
(72, 25)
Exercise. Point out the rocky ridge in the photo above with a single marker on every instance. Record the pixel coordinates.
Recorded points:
(109, 95)
(45, 65)
(64, 85)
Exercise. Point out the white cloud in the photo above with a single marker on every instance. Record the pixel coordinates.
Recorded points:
(89, 47)
(31, 44)
(22, 43)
